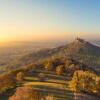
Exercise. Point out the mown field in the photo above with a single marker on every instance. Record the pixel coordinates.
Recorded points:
(53, 88)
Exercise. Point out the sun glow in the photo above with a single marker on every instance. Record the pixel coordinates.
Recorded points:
(50, 20)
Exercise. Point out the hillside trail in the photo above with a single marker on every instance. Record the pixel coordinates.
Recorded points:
(81, 96)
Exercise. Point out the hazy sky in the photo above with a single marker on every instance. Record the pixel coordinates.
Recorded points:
(42, 20)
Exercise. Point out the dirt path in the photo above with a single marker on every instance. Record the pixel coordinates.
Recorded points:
(78, 96)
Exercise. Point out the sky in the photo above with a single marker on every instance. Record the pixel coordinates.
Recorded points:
(49, 20)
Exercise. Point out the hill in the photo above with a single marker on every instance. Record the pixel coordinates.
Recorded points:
(80, 50)
(58, 72)
(12, 51)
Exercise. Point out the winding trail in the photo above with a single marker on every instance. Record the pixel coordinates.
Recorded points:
(80, 96)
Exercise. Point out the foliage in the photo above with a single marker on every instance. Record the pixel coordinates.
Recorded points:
(59, 69)
(48, 65)
(85, 81)
(20, 76)
(6, 81)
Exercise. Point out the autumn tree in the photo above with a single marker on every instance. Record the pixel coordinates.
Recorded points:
(20, 76)
(48, 66)
(59, 69)
(73, 84)
(84, 81)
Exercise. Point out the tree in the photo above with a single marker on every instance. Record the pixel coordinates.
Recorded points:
(59, 69)
(73, 84)
(48, 66)
(84, 81)
(20, 76)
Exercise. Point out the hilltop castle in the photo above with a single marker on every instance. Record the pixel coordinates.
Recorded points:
(79, 39)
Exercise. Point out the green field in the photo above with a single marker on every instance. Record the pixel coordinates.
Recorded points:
(54, 87)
